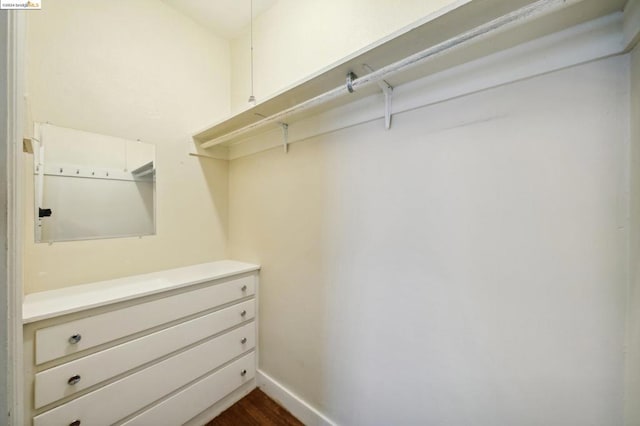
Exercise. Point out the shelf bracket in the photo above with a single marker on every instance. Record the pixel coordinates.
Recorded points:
(285, 133)
(388, 95)
(285, 136)
(387, 89)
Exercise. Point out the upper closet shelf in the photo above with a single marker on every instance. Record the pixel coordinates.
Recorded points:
(144, 170)
(463, 32)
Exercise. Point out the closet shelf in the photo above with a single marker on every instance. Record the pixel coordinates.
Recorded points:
(524, 20)
(144, 170)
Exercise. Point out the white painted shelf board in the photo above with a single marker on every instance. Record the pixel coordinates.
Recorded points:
(53, 303)
(144, 170)
(434, 29)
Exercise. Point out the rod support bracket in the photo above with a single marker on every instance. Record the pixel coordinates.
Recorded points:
(285, 136)
(388, 96)
(387, 89)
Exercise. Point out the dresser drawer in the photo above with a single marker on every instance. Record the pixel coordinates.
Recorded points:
(74, 336)
(117, 400)
(193, 400)
(67, 379)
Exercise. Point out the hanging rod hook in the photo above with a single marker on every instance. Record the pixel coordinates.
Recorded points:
(350, 77)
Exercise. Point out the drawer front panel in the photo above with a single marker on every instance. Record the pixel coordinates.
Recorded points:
(117, 400)
(193, 400)
(55, 342)
(53, 384)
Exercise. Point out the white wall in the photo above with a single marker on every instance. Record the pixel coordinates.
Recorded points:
(135, 70)
(464, 268)
(295, 38)
(632, 407)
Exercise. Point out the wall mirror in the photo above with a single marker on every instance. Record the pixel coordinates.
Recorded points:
(90, 186)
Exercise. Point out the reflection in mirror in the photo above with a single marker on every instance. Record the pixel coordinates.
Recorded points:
(90, 186)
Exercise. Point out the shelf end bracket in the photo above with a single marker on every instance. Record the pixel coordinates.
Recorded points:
(285, 136)
(388, 95)
(387, 89)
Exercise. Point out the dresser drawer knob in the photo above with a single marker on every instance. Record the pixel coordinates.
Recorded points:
(243, 340)
(75, 339)
(243, 373)
(244, 288)
(74, 380)
(75, 423)
(243, 313)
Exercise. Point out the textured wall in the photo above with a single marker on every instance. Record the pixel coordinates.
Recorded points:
(464, 268)
(140, 71)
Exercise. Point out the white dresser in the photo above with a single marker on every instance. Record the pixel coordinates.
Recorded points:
(167, 348)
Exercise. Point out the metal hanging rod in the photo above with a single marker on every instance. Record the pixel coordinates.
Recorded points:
(502, 23)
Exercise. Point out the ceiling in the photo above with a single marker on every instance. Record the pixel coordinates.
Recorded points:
(225, 18)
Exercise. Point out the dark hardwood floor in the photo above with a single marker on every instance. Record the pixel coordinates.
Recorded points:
(255, 409)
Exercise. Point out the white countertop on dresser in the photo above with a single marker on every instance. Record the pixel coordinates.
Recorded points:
(49, 304)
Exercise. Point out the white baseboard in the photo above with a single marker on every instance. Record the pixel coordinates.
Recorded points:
(300, 409)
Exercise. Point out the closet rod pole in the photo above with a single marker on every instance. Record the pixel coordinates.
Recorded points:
(502, 23)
